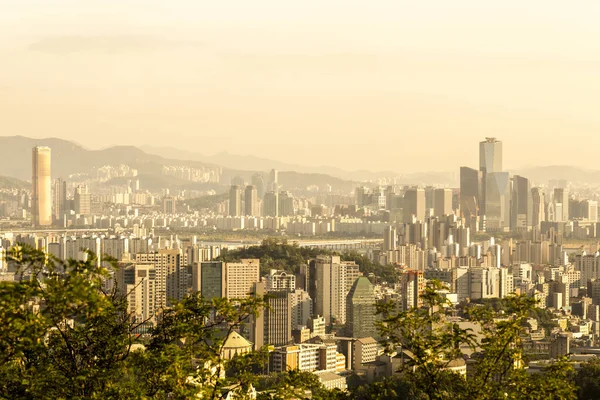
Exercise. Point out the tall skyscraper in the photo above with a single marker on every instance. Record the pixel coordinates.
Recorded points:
(539, 206)
(490, 155)
(390, 239)
(83, 200)
(360, 310)
(274, 180)
(41, 187)
(414, 204)
(271, 204)
(490, 161)
(259, 183)
(442, 202)
(235, 201)
(251, 201)
(470, 196)
(497, 200)
(561, 204)
(521, 204)
(60, 199)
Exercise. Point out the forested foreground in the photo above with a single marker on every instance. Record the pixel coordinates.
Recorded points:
(63, 336)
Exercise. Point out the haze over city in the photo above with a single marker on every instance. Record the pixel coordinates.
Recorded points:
(326, 200)
(399, 86)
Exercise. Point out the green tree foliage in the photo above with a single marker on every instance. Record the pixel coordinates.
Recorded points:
(280, 254)
(275, 254)
(383, 273)
(431, 342)
(63, 336)
(588, 380)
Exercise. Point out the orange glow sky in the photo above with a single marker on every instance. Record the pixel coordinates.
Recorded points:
(396, 85)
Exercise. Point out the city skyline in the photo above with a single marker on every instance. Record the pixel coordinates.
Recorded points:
(238, 78)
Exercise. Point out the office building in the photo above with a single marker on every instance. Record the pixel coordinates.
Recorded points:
(497, 201)
(41, 204)
(471, 187)
(360, 309)
(212, 281)
(414, 204)
(490, 161)
(442, 202)
(538, 198)
(521, 207)
(561, 205)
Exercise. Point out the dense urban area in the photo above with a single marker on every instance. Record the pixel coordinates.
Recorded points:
(149, 277)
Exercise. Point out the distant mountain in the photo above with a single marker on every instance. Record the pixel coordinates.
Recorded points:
(541, 175)
(69, 158)
(250, 162)
(13, 183)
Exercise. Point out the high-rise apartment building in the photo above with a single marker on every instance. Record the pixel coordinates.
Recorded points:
(240, 277)
(171, 274)
(41, 204)
(271, 204)
(251, 201)
(60, 199)
(390, 239)
(360, 309)
(278, 281)
(286, 204)
(138, 282)
(413, 284)
(331, 279)
(169, 205)
(235, 201)
(83, 200)
(442, 202)
(278, 318)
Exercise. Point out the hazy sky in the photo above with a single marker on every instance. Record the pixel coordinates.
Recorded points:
(398, 85)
